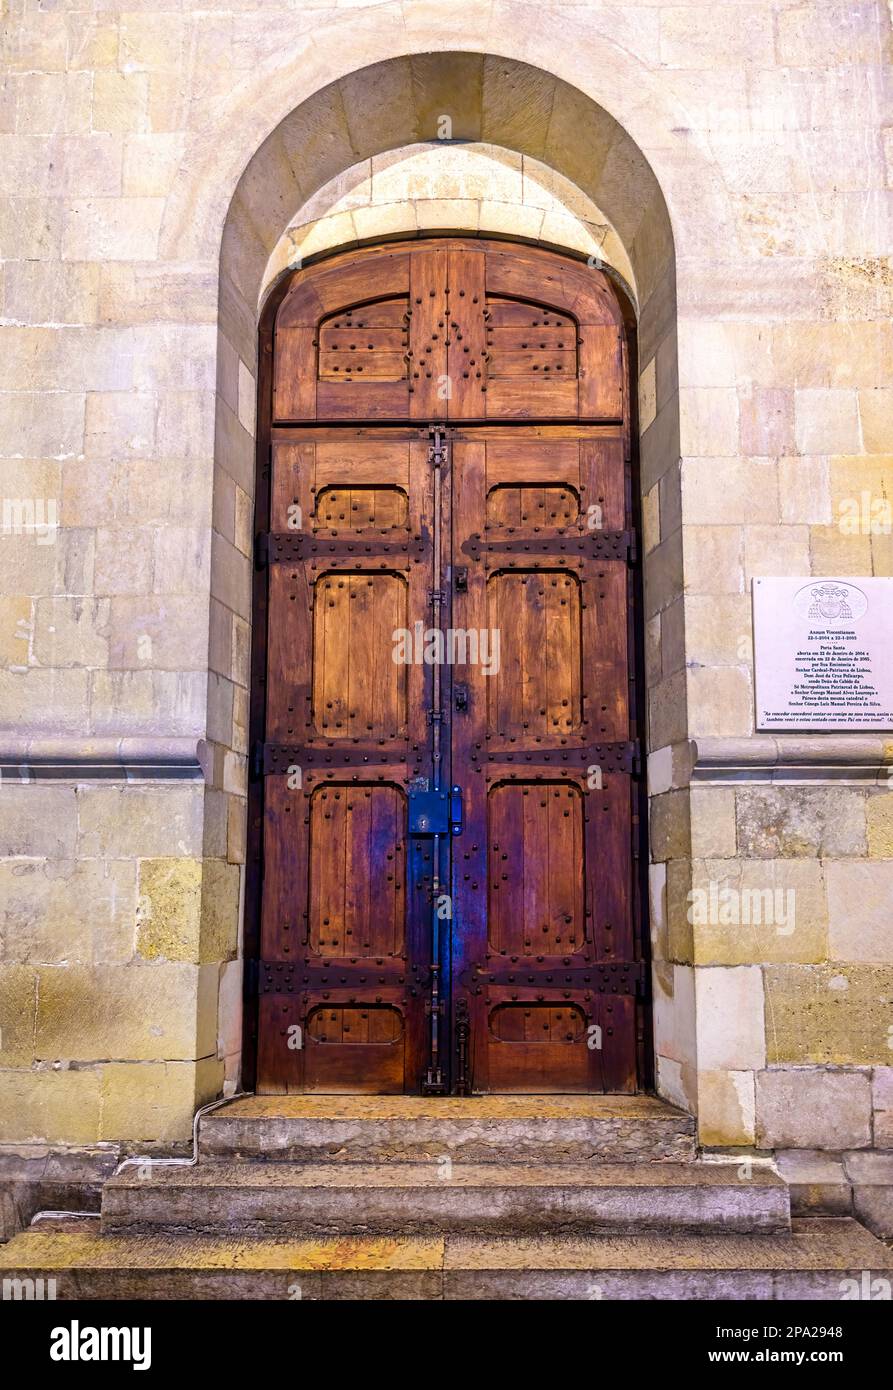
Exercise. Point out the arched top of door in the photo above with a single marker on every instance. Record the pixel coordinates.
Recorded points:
(448, 328)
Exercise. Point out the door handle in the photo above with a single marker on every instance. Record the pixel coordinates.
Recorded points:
(460, 698)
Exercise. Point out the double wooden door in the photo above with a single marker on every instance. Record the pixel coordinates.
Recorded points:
(448, 828)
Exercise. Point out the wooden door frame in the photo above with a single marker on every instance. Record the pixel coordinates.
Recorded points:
(251, 926)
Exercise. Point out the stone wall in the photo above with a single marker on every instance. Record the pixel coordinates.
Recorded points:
(152, 159)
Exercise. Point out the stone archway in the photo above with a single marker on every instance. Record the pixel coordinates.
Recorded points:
(508, 104)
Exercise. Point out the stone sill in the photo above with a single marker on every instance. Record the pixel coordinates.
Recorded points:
(120, 759)
(793, 758)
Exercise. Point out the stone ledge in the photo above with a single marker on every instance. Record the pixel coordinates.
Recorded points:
(832, 757)
(141, 758)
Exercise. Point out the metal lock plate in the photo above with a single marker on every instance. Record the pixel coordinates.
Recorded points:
(429, 812)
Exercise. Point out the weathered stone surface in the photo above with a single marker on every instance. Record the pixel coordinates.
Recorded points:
(726, 1114)
(434, 1198)
(789, 822)
(61, 911)
(169, 910)
(757, 911)
(818, 1183)
(828, 1014)
(859, 899)
(488, 1129)
(801, 1108)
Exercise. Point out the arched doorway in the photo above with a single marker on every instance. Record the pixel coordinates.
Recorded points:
(445, 714)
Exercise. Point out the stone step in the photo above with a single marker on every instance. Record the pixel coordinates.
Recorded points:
(812, 1262)
(432, 1198)
(477, 1129)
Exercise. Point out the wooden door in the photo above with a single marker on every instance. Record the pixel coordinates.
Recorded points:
(449, 458)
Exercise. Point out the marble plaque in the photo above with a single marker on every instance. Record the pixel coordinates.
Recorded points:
(823, 653)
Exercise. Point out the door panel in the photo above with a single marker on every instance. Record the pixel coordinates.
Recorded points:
(448, 330)
(506, 954)
(544, 747)
(345, 909)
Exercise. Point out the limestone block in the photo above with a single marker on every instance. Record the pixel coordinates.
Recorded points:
(667, 710)
(669, 826)
(680, 933)
(712, 822)
(15, 630)
(859, 911)
(833, 552)
(141, 1012)
(833, 34)
(726, 1108)
(240, 720)
(879, 818)
(243, 522)
(718, 629)
(185, 428)
(229, 1035)
(235, 773)
(686, 42)
(18, 1003)
(241, 651)
(220, 658)
(174, 357)
(674, 1013)
(119, 423)
(169, 913)
(834, 1014)
(92, 40)
(237, 827)
(30, 226)
(826, 421)
(54, 104)
(52, 424)
(220, 709)
(119, 101)
(146, 45)
(116, 229)
(124, 558)
(38, 292)
(230, 576)
(781, 822)
(71, 632)
(648, 395)
(166, 632)
(138, 292)
(390, 220)
(182, 560)
(754, 911)
(720, 701)
(220, 909)
(729, 1015)
(139, 821)
(776, 550)
(708, 422)
(766, 416)
(38, 701)
(806, 1108)
(37, 820)
(122, 702)
(876, 416)
(804, 489)
(717, 491)
(63, 1108)
(713, 559)
(882, 1103)
(60, 911)
(144, 1101)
